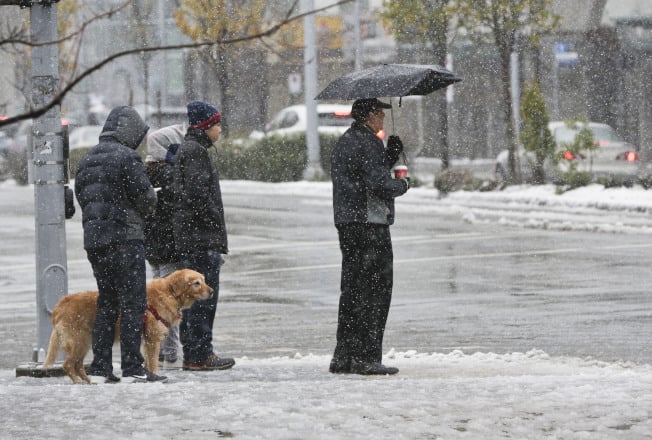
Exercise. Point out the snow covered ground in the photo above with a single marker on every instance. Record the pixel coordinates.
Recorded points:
(452, 395)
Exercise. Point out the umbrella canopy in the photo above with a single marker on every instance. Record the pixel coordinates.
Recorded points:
(389, 80)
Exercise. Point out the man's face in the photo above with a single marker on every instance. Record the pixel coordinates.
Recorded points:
(376, 119)
(214, 132)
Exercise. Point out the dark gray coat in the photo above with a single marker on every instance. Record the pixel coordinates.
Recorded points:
(363, 188)
(198, 211)
(111, 185)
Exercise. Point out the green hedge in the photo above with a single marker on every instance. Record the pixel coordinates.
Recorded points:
(273, 159)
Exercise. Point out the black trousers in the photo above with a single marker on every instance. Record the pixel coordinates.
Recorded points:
(121, 280)
(366, 291)
(196, 328)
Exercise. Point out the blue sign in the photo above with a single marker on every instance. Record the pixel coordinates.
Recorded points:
(565, 55)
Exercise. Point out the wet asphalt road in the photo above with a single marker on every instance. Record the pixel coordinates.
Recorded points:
(457, 286)
(488, 288)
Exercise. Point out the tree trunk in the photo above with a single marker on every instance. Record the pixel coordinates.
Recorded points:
(439, 39)
(505, 50)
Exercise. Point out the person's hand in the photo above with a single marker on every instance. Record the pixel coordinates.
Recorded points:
(172, 150)
(407, 182)
(394, 145)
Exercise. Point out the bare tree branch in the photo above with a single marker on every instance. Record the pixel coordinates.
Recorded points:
(74, 34)
(58, 98)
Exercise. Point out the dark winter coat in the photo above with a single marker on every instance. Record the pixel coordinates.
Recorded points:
(363, 188)
(159, 230)
(198, 210)
(111, 186)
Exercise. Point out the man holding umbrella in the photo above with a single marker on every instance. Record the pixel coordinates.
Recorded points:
(363, 204)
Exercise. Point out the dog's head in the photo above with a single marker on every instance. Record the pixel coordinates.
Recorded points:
(188, 286)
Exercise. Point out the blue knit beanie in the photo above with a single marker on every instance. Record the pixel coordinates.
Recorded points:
(202, 115)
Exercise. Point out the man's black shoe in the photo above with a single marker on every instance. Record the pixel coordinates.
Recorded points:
(339, 366)
(212, 362)
(171, 358)
(368, 368)
(145, 376)
(103, 378)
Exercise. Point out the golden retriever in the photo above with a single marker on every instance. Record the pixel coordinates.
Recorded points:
(74, 315)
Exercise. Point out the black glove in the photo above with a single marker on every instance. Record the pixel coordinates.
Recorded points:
(172, 150)
(407, 182)
(69, 202)
(394, 144)
(394, 149)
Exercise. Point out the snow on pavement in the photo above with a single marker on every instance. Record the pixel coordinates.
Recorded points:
(435, 396)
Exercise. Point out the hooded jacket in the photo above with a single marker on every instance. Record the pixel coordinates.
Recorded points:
(198, 210)
(363, 188)
(111, 186)
(162, 145)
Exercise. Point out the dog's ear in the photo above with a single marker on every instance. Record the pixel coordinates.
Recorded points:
(177, 281)
(195, 277)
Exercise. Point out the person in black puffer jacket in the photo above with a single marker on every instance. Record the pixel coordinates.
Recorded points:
(200, 232)
(115, 195)
(160, 251)
(363, 206)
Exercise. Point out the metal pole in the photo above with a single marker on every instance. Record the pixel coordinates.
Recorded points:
(516, 93)
(358, 37)
(555, 89)
(313, 169)
(47, 172)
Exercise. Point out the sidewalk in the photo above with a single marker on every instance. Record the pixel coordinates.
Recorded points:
(441, 393)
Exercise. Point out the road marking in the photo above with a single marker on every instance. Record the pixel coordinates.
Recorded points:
(532, 253)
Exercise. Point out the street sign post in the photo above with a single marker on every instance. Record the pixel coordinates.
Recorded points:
(565, 57)
(48, 174)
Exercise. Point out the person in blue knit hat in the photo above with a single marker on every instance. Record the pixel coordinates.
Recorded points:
(200, 232)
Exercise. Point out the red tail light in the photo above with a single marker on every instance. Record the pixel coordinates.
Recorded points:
(631, 156)
(568, 155)
(342, 114)
(381, 134)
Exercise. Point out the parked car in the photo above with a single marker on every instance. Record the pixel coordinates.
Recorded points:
(331, 119)
(86, 136)
(612, 157)
(5, 143)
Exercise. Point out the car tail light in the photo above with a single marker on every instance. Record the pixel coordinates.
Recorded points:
(381, 134)
(342, 114)
(568, 155)
(631, 156)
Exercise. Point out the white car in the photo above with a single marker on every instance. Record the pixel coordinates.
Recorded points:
(86, 136)
(331, 119)
(612, 157)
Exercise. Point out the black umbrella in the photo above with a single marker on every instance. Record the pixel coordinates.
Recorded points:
(389, 80)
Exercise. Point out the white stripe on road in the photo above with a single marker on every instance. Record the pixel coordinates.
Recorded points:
(418, 239)
(532, 253)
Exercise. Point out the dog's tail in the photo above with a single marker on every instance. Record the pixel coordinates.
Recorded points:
(53, 348)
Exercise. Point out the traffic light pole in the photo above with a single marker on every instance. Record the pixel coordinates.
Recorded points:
(314, 170)
(47, 171)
